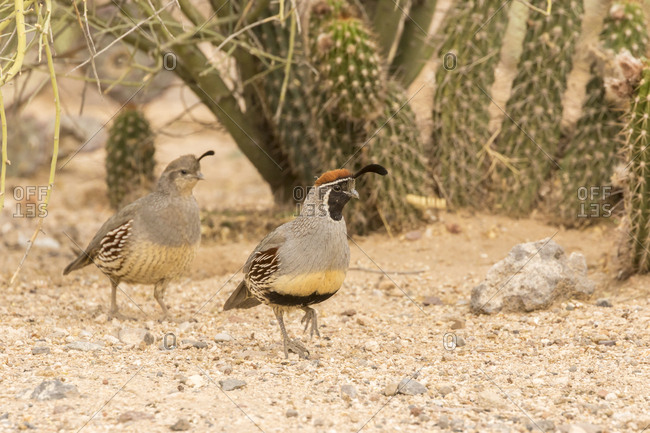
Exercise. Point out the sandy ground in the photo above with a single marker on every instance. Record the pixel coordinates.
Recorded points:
(542, 371)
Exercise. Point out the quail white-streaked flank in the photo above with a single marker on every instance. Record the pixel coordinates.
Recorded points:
(152, 240)
(304, 261)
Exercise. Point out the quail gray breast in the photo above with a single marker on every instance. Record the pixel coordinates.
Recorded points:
(152, 240)
(304, 261)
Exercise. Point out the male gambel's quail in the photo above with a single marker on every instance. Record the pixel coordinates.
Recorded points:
(304, 261)
(152, 240)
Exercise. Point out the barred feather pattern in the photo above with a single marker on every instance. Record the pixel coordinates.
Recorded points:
(111, 251)
(263, 267)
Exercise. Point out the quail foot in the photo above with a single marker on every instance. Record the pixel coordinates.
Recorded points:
(152, 240)
(304, 261)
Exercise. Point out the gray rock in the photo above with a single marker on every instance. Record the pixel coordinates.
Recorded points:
(187, 343)
(581, 427)
(545, 425)
(291, 413)
(411, 387)
(39, 350)
(135, 336)
(230, 384)
(444, 389)
(84, 346)
(431, 300)
(457, 424)
(391, 389)
(532, 277)
(133, 415)
(348, 392)
(604, 303)
(488, 399)
(181, 425)
(460, 342)
(221, 337)
(54, 390)
(570, 306)
(443, 422)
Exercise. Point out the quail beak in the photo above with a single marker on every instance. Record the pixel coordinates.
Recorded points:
(200, 176)
(353, 193)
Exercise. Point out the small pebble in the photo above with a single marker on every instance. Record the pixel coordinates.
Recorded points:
(135, 336)
(187, 343)
(458, 324)
(570, 306)
(291, 413)
(181, 425)
(431, 300)
(348, 392)
(415, 410)
(351, 312)
(607, 343)
(231, 384)
(411, 387)
(413, 235)
(221, 337)
(460, 342)
(604, 303)
(443, 421)
(39, 350)
(573, 369)
(83, 346)
(391, 389)
(445, 389)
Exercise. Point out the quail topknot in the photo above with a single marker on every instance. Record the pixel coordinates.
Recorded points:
(152, 240)
(304, 261)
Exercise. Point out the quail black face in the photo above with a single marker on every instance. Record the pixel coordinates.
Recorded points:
(338, 194)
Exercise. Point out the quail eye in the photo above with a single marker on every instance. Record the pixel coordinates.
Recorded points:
(183, 172)
(337, 188)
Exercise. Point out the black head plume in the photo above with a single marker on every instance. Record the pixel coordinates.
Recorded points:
(208, 153)
(371, 168)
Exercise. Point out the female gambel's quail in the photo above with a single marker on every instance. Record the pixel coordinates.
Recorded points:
(152, 240)
(304, 261)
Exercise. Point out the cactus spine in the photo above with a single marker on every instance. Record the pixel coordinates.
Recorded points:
(530, 135)
(460, 112)
(583, 192)
(129, 158)
(637, 204)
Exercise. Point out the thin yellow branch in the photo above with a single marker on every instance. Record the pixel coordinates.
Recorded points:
(287, 67)
(57, 126)
(3, 167)
(20, 45)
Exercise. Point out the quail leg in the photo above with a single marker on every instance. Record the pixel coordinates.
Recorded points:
(310, 316)
(159, 294)
(290, 345)
(115, 311)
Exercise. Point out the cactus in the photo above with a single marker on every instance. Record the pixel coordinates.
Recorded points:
(460, 112)
(352, 78)
(582, 191)
(637, 146)
(397, 145)
(531, 132)
(625, 28)
(129, 158)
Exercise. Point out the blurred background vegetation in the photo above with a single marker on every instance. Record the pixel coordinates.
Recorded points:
(536, 107)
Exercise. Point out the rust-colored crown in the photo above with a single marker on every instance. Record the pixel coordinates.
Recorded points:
(331, 176)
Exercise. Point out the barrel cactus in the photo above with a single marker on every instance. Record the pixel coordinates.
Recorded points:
(637, 146)
(531, 131)
(460, 111)
(582, 191)
(129, 158)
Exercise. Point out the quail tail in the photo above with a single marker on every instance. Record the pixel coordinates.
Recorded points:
(78, 263)
(241, 298)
